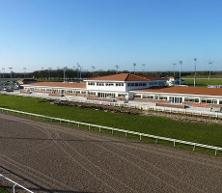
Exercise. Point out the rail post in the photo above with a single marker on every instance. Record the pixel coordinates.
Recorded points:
(13, 188)
(194, 146)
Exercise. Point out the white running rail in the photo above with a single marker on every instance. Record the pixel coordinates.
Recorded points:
(15, 184)
(112, 129)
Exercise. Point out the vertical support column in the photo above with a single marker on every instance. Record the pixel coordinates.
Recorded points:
(13, 188)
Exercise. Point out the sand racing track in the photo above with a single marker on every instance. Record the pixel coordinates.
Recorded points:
(52, 158)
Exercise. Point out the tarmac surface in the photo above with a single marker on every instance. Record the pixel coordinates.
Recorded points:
(53, 158)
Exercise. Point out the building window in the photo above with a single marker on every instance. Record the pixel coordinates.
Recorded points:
(175, 99)
(196, 100)
(109, 84)
(100, 84)
(130, 84)
(119, 84)
(91, 83)
(163, 98)
(147, 96)
(91, 93)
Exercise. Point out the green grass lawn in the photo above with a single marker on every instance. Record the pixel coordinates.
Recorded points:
(3, 190)
(197, 132)
(204, 81)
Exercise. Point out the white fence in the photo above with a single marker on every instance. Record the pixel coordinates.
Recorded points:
(112, 129)
(131, 104)
(15, 184)
(188, 112)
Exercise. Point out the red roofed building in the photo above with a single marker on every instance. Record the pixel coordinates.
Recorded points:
(126, 86)
(119, 85)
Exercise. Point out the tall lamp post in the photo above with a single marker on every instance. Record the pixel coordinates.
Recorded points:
(93, 69)
(3, 72)
(210, 67)
(174, 69)
(181, 63)
(79, 68)
(134, 68)
(64, 73)
(144, 66)
(10, 68)
(117, 68)
(195, 71)
(24, 71)
(49, 70)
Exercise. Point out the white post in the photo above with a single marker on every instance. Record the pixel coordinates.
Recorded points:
(13, 188)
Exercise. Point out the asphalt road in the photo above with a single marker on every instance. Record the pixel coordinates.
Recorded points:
(51, 158)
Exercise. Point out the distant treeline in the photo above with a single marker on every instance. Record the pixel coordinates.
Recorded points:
(70, 74)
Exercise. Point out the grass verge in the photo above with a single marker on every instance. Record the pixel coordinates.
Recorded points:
(203, 81)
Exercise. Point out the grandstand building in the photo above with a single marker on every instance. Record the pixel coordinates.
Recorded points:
(127, 87)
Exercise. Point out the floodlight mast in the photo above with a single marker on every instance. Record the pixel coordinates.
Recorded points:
(181, 63)
(134, 68)
(10, 68)
(144, 66)
(64, 73)
(210, 67)
(117, 68)
(195, 72)
(3, 72)
(174, 69)
(79, 68)
(24, 71)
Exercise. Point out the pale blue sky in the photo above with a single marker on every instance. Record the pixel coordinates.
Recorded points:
(103, 33)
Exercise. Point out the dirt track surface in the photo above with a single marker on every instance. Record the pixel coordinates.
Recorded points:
(52, 158)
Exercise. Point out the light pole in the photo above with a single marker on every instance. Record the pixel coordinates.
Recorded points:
(93, 69)
(195, 71)
(181, 63)
(3, 72)
(79, 68)
(49, 69)
(210, 67)
(134, 68)
(24, 71)
(64, 73)
(10, 68)
(174, 69)
(117, 68)
(144, 66)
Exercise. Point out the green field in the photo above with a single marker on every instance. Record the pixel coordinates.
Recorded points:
(203, 81)
(197, 132)
(3, 190)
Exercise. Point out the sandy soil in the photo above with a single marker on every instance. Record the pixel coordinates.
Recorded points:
(52, 158)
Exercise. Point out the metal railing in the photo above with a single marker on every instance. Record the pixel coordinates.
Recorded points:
(217, 115)
(112, 129)
(15, 184)
(192, 112)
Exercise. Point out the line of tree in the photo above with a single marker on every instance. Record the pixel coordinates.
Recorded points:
(70, 74)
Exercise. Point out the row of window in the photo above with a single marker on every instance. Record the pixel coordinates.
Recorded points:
(137, 84)
(179, 99)
(105, 84)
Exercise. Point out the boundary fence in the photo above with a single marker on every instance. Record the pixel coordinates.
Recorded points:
(15, 184)
(112, 129)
